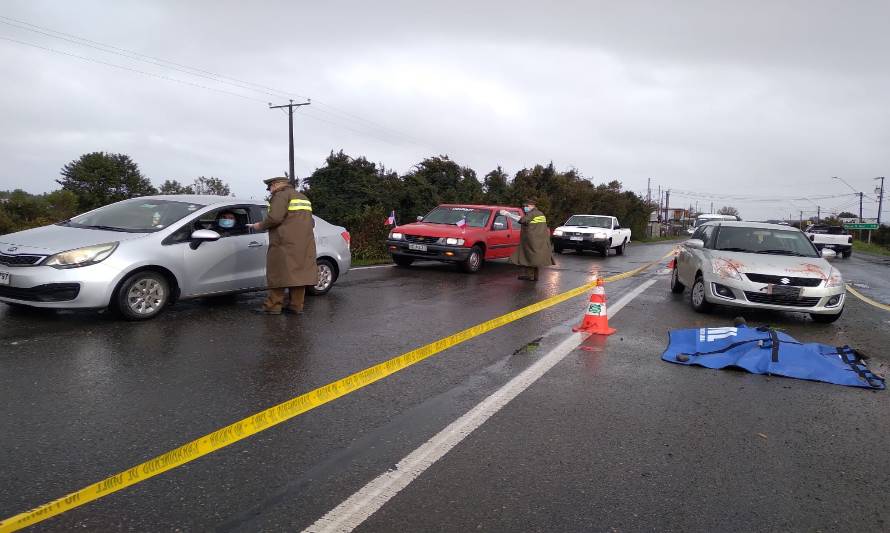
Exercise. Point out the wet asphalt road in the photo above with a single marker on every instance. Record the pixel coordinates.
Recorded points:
(611, 437)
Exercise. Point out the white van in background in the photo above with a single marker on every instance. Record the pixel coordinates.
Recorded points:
(710, 217)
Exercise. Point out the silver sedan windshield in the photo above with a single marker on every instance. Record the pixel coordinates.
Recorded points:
(137, 215)
(764, 241)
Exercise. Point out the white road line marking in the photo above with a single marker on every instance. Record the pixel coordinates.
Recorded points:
(372, 266)
(370, 498)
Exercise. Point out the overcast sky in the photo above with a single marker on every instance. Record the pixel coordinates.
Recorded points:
(751, 104)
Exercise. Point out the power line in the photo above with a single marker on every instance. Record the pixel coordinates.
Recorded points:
(143, 72)
(206, 74)
(365, 133)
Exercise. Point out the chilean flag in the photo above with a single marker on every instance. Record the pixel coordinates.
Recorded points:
(391, 220)
(462, 222)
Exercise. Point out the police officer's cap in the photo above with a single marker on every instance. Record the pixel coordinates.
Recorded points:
(270, 181)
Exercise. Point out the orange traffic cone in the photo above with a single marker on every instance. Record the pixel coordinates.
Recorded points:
(596, 321)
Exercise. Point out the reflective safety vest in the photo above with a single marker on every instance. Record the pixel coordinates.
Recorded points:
(297, 204)
(541, 219)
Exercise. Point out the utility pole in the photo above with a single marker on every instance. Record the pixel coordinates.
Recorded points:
(649, 191)
(801, 220)
(290, 124)
(860, 208)
(659, 204)
(880, 198)
(818, 214)
(667, 204)
(712, 207)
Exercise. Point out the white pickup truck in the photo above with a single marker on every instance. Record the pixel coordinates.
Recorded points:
(591, 232)
(832, 237)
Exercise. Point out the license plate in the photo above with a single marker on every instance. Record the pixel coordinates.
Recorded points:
(782, 290)
(418, 247)
(576, 238)
(4, 278)
(828, 246)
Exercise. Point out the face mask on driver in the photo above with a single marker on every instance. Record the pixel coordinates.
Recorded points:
(526, 208)
(226, 223)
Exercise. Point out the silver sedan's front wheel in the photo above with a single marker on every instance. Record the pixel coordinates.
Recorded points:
(143, 295)
(697, 296)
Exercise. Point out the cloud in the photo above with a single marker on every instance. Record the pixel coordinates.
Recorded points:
(762, 99)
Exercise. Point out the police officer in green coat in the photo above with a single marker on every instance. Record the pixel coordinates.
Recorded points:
(534, 241)
(290, 258)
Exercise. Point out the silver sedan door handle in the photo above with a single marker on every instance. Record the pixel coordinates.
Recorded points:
(254, 244)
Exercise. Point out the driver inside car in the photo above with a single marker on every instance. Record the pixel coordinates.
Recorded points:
(226, 224)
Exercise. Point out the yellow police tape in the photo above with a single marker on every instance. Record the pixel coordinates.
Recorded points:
(867, 300)
(283, 411)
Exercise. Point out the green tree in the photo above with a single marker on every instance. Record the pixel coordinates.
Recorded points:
(496, 187)
(451, 182)
(174, 187)
(98, 178)
(847, 214)
(20, 210)
(345, 186)
(212, 186)
(728, 210)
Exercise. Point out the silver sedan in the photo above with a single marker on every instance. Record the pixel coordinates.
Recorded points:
(138, 255)
(754, 265)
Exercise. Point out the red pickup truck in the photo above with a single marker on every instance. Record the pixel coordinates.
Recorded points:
(463, 234)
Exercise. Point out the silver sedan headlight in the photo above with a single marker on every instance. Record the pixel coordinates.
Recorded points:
(835, 279)
(81, 257)
(726, 269)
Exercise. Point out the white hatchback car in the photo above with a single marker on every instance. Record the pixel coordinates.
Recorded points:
(756, 265)
(139, 255)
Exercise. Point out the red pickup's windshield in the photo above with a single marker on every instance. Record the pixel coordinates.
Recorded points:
(476, 218)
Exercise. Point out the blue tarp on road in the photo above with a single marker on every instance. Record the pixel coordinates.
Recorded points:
(767, 351)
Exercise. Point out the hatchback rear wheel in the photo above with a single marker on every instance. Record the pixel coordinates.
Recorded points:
(327, 275)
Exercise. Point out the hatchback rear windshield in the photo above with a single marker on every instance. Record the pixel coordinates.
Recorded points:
(589, 221)
(134, 216)
(764, 241)
(476, 218)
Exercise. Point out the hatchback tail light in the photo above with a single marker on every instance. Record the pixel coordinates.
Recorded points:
(346, 238)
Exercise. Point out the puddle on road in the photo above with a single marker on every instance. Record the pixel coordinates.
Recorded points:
(531, 347)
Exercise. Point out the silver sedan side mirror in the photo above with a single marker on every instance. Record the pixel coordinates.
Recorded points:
(828, 253)
(694, 243)
(205, 235)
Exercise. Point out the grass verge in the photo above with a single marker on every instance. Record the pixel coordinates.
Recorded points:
(371, 262)
(660, 239)
(870, 248)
